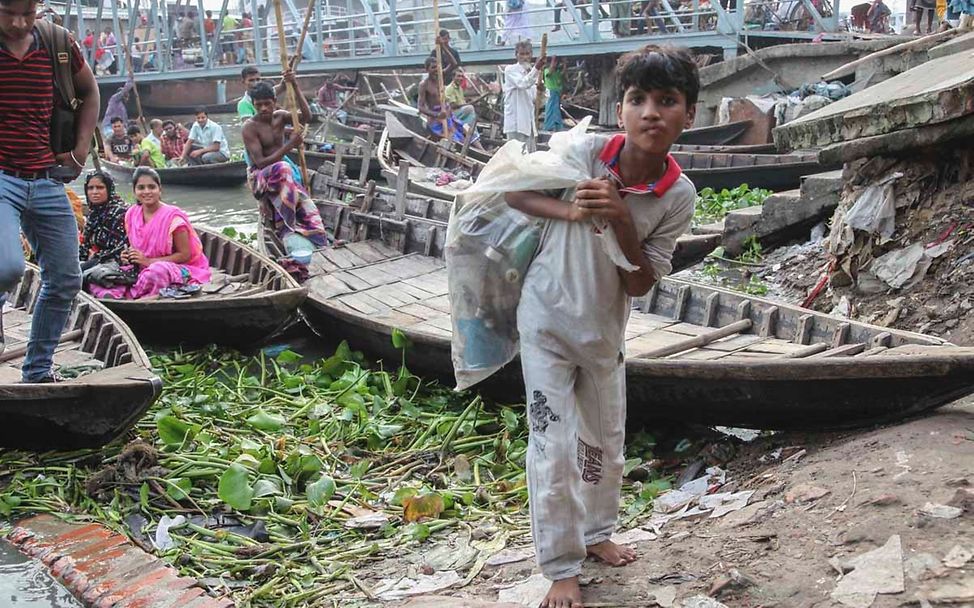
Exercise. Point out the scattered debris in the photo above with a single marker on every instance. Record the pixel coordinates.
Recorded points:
(804, 492)
(395, 589)
(941, 511)
(702, 601)
(673, 578)
(957, 557)
(732, 580)
(883, 500)
(950, 593)
(635, 535)
(917, 566)
(510, 556)
(163, 541)
(529, 592)
(664, 597)
(872, 573)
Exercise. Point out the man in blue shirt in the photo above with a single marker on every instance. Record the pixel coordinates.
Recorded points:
(207, 144)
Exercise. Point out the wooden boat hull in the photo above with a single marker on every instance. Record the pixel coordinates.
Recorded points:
(352, 162)
(775, 177)
(237, 320)
(228, 174)
(86, 412)
(715, 135)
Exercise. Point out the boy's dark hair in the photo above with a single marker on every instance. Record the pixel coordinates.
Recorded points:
(248, 71)
(429, 62)
(201, 110)
(115, 119)
(168, 122)
(261, 91)
(659, 67)
(444, 33)
(134, 130)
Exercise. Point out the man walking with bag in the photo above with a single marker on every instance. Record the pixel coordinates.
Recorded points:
(41, 148)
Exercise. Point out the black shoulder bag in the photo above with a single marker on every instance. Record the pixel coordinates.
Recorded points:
(57, 41)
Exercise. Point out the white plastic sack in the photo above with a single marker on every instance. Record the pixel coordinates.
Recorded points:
(489, 247)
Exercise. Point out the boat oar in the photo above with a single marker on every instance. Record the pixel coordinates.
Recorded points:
(291, 93)
(20, 351)
(439, 69)
(299, 52)
(698, 341)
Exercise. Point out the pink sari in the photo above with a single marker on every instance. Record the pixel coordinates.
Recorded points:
(155, 240)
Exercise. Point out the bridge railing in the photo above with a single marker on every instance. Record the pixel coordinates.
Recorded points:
(384, 28)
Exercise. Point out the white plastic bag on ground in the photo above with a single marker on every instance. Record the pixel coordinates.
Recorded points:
(489, 247)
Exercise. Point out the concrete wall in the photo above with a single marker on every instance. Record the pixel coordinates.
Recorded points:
(781, 68)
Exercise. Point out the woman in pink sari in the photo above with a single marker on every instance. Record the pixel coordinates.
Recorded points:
(163, 244)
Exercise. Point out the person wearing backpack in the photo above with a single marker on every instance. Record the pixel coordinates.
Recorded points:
(515, 23)
(43, 144)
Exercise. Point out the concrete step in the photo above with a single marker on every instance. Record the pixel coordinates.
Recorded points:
(784, 216)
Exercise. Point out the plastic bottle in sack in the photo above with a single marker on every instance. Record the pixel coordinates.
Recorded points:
(515, 247)
(483, 347)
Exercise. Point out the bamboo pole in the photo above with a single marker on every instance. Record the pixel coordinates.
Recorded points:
(299, 52)
(291, 93)
(539, 97)
(439, 69)
(131, 71)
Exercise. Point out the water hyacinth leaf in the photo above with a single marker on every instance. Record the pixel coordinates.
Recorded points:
(462, 468)
(230, 231)
(321, 491)
(510, 419)
(178, 489)
(418, 532)
(359, 469)
(354, 402)
(248, 461)
(427, 506)
(629, 465)
(173, 431)
(399, 339)
(234, 488)
(266, 422)
(144, 496)
(399, 498)
(288, 356)
(267, 486)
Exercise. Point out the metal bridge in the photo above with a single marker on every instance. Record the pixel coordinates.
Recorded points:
(172, 41)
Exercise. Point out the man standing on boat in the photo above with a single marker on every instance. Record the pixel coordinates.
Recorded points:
(296, 219)
(32, 177)
(207, 145)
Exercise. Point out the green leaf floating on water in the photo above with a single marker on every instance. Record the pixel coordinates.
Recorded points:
(321, 491)
(266, 422)
(235, 488)
(173, 431)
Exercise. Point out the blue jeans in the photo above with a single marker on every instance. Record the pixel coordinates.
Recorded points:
(41, 208)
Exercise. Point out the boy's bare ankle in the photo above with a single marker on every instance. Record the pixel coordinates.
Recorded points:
(564, 593)
(611, 553)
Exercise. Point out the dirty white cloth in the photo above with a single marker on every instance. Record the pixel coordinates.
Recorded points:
(520, 91)
(571, 320)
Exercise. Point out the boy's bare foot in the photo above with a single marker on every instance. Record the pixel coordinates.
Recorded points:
(611, 553)
(563, 594)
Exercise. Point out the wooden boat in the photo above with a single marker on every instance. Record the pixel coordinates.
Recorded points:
(715, 135)
(248, 299)
(400, 146)
(726, 149)
(113, 388)
(775, 172)
(152, 110)
(233, 173)
(695, 353)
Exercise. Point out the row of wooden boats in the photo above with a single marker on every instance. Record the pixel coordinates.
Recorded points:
(695, 353)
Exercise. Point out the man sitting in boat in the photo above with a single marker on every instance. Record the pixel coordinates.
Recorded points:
(438, 111)
(119, 146)
(328, 97)
(174, 136)
(163, 245)
(145, 152)
(250, 76)
(296, 219)
(104, 230)
(207, 145)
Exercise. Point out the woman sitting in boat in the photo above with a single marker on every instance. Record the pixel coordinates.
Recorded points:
(296, 219)
(103, 237)
(163, 244)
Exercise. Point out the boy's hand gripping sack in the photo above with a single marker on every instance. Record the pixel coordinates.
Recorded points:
(489, 247)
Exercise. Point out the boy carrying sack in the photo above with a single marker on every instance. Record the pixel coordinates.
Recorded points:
(574, 305)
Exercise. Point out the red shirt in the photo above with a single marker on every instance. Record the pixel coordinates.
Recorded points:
(209, 26)
(26, 104)
(173, 147)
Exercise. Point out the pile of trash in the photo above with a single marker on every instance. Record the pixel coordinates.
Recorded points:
(458, 179)
(900, 249)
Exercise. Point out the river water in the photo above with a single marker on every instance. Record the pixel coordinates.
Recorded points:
(24, 583)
